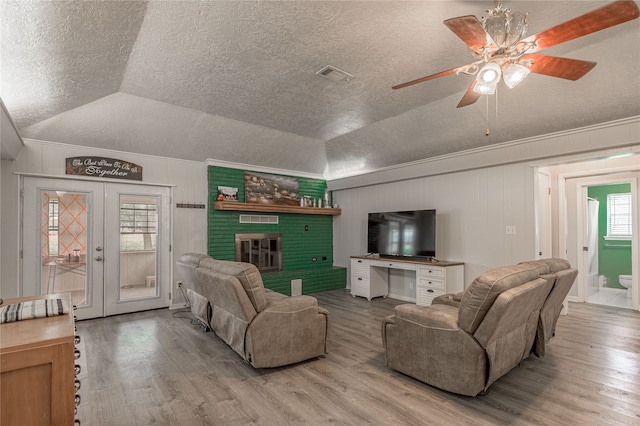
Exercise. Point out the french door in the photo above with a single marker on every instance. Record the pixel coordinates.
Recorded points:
(105, 243)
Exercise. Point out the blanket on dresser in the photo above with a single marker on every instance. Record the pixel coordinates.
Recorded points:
(32, 309)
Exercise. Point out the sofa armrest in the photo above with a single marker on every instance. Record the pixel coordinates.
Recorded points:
(451, 299)
(290, 304)
(288, 330)
(443, 317)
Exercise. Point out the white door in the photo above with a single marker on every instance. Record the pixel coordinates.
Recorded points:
(543, 217)
(72, 233)
(137, 255)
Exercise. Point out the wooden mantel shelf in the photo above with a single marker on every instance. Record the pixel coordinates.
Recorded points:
(273, 208)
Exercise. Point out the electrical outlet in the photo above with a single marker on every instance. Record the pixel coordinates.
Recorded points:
(511, 230)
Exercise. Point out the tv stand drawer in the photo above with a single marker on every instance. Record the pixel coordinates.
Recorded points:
(391, 264)
(432, 284)
(431, 272)
(424, 295)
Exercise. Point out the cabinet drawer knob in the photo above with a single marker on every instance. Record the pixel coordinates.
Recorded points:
(359, 279)
(76, 384)
(429, 290)
(359, 261)
(76, 354)
(77, 369)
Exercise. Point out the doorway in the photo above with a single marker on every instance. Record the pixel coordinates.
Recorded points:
(575, 232)
(606, 237)
(108, 244)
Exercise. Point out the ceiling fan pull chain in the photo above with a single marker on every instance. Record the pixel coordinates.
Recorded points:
(496, 120)
(486, 133)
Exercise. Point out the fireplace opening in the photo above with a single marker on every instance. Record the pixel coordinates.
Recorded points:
(262, 250)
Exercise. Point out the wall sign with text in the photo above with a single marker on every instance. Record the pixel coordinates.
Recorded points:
(103, 167)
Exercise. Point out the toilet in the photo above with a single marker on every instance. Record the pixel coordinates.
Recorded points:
(625, 281)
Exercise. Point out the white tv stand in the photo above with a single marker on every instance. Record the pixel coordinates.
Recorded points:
(370, 277)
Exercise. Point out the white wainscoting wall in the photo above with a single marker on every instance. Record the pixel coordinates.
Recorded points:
(473, 209)
(477, 194)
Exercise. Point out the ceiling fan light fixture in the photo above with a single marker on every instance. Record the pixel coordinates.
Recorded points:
(504, 26)
(484, 89)
(513, 74)
(489, 74)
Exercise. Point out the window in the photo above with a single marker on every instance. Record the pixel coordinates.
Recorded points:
(138, 226)
(619, 216)
(54, 208)
(52, 226)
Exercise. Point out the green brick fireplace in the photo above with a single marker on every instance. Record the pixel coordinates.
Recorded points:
(307, 239)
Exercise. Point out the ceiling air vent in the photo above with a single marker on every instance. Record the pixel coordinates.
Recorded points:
(334, 74)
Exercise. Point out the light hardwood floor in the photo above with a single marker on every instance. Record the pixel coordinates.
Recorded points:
(158, 367)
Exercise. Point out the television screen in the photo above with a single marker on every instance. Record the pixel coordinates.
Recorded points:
(408, 233)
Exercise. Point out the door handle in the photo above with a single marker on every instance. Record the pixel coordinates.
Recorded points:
(98, 258)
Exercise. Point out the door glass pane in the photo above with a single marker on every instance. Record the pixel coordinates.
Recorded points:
(64, 244)
(138, 250)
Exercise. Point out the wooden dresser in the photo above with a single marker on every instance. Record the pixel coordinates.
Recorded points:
(37, 381)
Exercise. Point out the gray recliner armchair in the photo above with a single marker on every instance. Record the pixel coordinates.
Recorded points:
(559, 273)
(465, 348)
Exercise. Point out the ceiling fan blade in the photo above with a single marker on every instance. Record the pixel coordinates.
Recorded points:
(470, 30)
(470, 97)
(427, 78)
(570, 69)
(605, 17)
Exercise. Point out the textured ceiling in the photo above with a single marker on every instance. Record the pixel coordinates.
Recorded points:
(235, 80)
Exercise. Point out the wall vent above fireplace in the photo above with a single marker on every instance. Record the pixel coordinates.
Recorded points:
(262, 219)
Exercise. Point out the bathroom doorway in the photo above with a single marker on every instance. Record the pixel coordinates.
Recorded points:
(607, 240)
(570, 205)
(605, 250)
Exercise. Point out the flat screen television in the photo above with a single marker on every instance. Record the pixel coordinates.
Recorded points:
(402, 234)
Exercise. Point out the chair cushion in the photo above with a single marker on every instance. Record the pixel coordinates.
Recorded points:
(248, 275)
(483, 291)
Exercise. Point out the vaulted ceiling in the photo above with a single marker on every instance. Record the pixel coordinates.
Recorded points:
(236, 80)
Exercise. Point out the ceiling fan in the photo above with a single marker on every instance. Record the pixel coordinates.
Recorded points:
(501, 49)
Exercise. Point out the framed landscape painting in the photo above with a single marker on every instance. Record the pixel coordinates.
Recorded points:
(271, 189)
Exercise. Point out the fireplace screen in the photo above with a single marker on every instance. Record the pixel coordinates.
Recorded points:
(263, 250)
